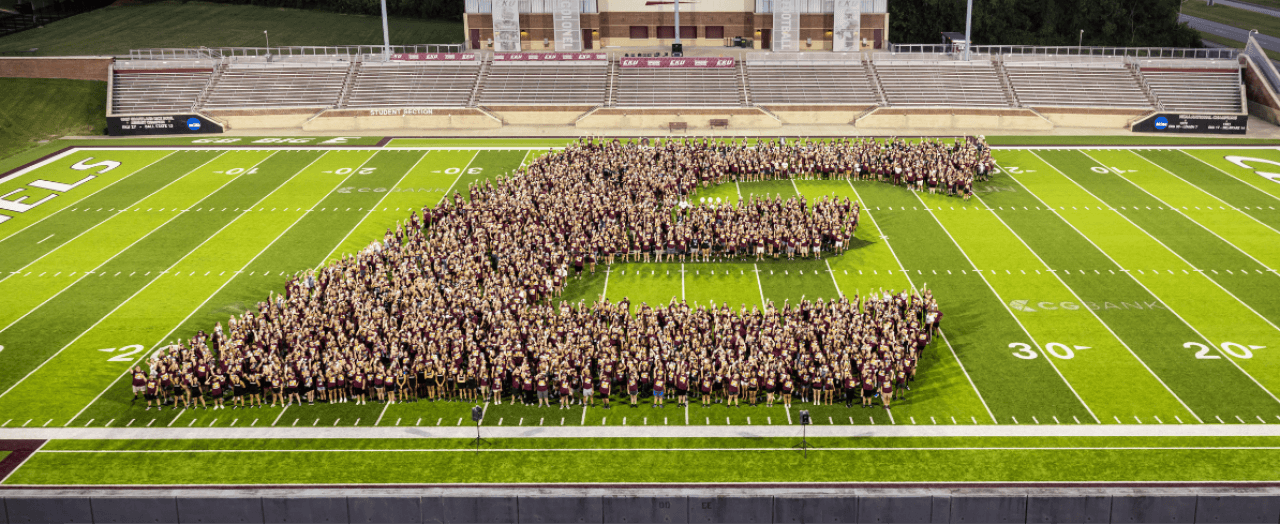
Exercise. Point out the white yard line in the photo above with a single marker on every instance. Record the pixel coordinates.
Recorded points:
(1238, 178)
(833, 276)
(385, 406)
(759, 285)
(681, 281)
(605, 293)
(1202, 190)
(135, 294)
(281, 414)
(215, 293)
(1091, 311)
(975, 269)
(1184, 215)
(72, 203)
(1225, 355)
(910, 281)
(23, 462)
(120, 211)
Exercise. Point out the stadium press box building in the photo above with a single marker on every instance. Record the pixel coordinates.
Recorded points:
(507, 26)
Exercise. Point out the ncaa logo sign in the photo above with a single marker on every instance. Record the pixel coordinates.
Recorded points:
(193, 124)
(1162, 123)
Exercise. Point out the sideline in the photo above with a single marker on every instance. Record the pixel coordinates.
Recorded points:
(739, 431)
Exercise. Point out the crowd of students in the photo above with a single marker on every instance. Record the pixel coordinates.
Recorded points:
(460, 302)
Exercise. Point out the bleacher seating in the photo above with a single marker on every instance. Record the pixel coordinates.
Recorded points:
(157, 91)
(941, 83)
(1196, 90)
(802, 82)
(1076, 85)
(680, 87)
(413, 84)
(546, 83)
(278, 86)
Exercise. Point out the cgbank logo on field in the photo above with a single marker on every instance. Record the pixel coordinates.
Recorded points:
(1026, 305)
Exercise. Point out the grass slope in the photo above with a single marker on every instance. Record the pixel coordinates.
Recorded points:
(36, 109)
(116, 30)
(1233, 16)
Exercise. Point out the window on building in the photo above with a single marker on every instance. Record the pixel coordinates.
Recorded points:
(714, 31)
(666, 31)
(640, 32)
(690, 32)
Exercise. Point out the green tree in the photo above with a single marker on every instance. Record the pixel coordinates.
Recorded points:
(1130, 23)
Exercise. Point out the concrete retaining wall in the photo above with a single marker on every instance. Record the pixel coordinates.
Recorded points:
(802, 115)
(400, 118)
(954, 118)
(75, 68)
(538, 115)
(1091, 117)
(696, 118)
(1038, 507)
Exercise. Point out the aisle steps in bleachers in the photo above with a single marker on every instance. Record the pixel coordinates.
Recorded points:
(1200, 90)
(1064, 84)
(546, 83)
(414, 84)
(973, 83)
(810, 82)
(255, 86)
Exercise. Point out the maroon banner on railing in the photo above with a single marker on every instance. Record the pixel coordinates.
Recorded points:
(433, 56)
(678, 62)
(547, 57)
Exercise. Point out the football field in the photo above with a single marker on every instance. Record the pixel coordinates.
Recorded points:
(1128, 289)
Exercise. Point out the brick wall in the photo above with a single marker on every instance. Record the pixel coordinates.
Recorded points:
(75, 68)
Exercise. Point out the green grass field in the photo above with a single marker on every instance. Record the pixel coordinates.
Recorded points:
(116, 30)
(1107, 287)
(42, 109)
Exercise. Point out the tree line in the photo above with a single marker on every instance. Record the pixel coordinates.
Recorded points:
(1129, 23)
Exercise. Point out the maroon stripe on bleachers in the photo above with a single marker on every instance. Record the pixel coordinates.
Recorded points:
(19, 451)
(148, 71)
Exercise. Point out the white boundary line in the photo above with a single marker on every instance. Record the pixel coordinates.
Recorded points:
(911, 282)
(637, 431)
(759, 284)
(975, 269)
(1091, 311)
(51, 160)
(215, 293)
(1139, 281)
(24, 462)
(1119, 449)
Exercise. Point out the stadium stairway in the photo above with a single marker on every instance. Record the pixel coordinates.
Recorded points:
(352, 74)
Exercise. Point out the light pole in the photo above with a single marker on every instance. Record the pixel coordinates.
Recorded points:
(386, 35)
(268, 37)
(968, 30)
(1080, 43)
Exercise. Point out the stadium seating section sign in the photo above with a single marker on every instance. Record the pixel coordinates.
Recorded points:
(545, 57)
(161, 125)
(432, 56)
(1181, 123)
(677, 62)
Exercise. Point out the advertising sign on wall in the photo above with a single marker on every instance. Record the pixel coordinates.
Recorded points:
(161, 125)
(1175, 123)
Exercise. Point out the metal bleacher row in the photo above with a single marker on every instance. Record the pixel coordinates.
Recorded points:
(157, 87)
